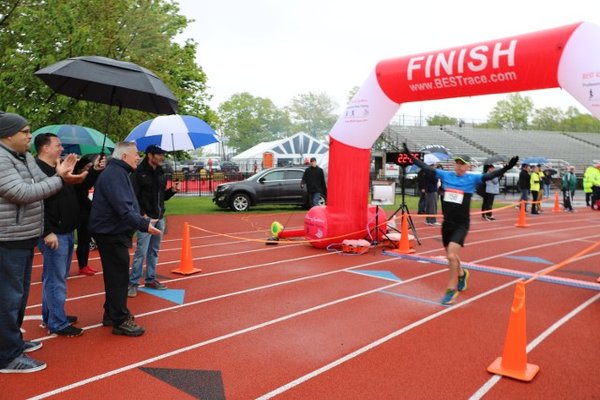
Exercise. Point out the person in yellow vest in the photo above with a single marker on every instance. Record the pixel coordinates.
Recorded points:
(534, 186)
(588, 183)
(596, 188)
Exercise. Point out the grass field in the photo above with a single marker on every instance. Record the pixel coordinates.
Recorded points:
(181, 205)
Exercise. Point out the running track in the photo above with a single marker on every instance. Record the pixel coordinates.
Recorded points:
(294, 322)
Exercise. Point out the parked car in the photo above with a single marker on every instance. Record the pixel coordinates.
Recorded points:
(190, 166)
(229, 166)
(280, 185)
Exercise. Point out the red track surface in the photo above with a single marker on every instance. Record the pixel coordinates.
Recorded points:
(294, 322)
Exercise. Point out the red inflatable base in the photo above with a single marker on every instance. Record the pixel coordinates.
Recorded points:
(323, 227)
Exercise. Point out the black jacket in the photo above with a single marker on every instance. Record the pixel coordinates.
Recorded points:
(149, 185)
(314, 179)
(115, 209)
(523, 182)
(61, 210)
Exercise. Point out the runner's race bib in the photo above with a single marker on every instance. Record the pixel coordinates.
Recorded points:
(454, 196)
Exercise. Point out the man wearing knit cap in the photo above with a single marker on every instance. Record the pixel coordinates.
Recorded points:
(23, 187)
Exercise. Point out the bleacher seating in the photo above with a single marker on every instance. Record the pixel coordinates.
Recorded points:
(561, 149)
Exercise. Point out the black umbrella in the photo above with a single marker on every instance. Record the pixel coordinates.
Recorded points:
(495, 159)
(108, 81)
(112, 82)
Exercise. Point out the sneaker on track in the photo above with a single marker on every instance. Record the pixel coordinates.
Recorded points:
(128, 328)
(30, 346)
(132, 291)
(23, 365)
(463, 280)
(69, 331)
(155, 285)
(449, 297)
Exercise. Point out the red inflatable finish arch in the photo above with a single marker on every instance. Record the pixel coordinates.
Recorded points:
(565, 57)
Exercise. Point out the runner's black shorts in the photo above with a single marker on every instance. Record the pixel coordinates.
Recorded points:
(454, 232)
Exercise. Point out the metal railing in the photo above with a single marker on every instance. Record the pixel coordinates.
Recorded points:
(202, 183)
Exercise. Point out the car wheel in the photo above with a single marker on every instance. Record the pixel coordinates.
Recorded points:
(240, 202)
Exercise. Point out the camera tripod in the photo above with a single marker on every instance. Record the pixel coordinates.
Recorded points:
(404, 209)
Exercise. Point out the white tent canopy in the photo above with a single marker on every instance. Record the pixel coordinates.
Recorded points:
(293, 150)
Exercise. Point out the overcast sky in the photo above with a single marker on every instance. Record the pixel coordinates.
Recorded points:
(278, 49)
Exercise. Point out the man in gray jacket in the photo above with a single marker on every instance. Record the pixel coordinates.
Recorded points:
(23, 187)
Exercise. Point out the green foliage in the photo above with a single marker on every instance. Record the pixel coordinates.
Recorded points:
(247, 120)
(547, 119)
(513, 113)
(438, 120)
(183, 205)
(312, 113)
(38, 33)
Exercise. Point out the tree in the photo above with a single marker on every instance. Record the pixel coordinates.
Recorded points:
(38, 33)
(574, 121)
(439, 120)
(247, 120)
(312, 113)
(512, 113)
(547, 119)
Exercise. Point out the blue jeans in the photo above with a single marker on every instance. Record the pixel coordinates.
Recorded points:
(546, 191)
(525, 196)
(316, 198)
(57, 264)
(15, 278)
(147, 248)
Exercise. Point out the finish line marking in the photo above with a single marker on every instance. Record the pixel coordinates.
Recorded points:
(502, 271)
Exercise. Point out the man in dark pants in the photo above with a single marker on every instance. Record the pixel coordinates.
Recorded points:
(115, 216)
(524, 184)
(314, 180)
(23, 187)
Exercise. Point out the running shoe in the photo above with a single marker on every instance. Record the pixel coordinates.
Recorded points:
(449, 297)
(69, 331)
(462, 281)
(30, 345)
(23, 365)
(155, 285)
(132, 291)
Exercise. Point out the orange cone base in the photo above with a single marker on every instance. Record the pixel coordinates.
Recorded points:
(186, 271)
(400, 250)
(522, 225)
(526, 375)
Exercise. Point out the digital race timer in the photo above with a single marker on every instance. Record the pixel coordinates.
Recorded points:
(402, 159)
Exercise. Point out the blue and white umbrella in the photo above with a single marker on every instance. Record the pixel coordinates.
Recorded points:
(173, 132)
(434, 158)
(534, 160)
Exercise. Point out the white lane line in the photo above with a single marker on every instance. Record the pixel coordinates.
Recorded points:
(224, 337)
(245, 291)
(376, 343)
(486, 387)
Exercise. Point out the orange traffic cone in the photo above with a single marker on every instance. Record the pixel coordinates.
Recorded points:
(521, 222)
(556, 203)
(186, 267)
(513, 362)
(404, 243)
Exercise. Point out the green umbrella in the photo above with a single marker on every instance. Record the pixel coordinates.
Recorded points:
(77, 139)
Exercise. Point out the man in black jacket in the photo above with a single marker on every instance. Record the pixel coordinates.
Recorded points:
(524, 184)
(115, 216)
(149, 183)
(314, 180)
(61, 216)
